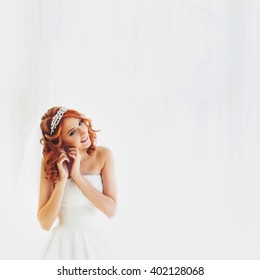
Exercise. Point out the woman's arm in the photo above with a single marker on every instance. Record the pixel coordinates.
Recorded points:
(106, 201)
(50, 198)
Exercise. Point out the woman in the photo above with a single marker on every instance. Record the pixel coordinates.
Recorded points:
(77, 185)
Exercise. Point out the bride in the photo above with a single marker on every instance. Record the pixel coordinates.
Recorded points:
(77, 186)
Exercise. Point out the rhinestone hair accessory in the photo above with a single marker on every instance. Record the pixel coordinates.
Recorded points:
(56, 119)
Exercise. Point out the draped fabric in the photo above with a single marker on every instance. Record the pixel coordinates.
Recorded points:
(173, 85)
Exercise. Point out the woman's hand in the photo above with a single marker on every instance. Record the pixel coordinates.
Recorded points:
(75, 169)
(62, 166)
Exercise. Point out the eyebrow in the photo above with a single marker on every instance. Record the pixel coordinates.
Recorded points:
(71, 129)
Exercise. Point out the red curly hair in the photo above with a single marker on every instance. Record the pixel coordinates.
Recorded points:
(52, 144)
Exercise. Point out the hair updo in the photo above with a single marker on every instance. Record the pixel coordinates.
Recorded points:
(52, 144)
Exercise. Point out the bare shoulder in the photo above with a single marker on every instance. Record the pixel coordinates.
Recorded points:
(105, 154)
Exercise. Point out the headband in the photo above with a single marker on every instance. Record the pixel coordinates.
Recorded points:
(57, 118)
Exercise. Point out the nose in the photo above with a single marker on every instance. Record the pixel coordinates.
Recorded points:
(82, 131)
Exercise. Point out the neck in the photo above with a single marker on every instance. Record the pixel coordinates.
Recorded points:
(84, 154)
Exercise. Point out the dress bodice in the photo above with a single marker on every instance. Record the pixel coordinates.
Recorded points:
(81, 231)
(76, 207)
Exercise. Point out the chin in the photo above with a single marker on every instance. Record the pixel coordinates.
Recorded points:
(86, 145)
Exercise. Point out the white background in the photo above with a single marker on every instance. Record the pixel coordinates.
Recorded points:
(172, 84)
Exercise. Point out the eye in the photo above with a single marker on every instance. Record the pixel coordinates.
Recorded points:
(80, 122)
(72, 133)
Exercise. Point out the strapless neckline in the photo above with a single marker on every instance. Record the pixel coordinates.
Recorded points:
(88, 175)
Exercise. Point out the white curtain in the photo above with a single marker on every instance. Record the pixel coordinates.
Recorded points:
(172, 84)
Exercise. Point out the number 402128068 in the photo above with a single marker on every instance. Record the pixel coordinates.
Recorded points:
(177, 270)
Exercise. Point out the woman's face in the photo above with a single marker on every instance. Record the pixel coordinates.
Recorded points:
(75, 133)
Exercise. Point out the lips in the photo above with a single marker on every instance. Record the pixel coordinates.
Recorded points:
(84, 140)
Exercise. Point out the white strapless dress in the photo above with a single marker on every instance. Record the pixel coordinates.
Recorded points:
(80, 232)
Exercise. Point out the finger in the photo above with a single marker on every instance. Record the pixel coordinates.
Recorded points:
(73, 156)
(63, 151)
(62, 155)
(63, 158)
(75, 152)
(61, 164)
(73, 149)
